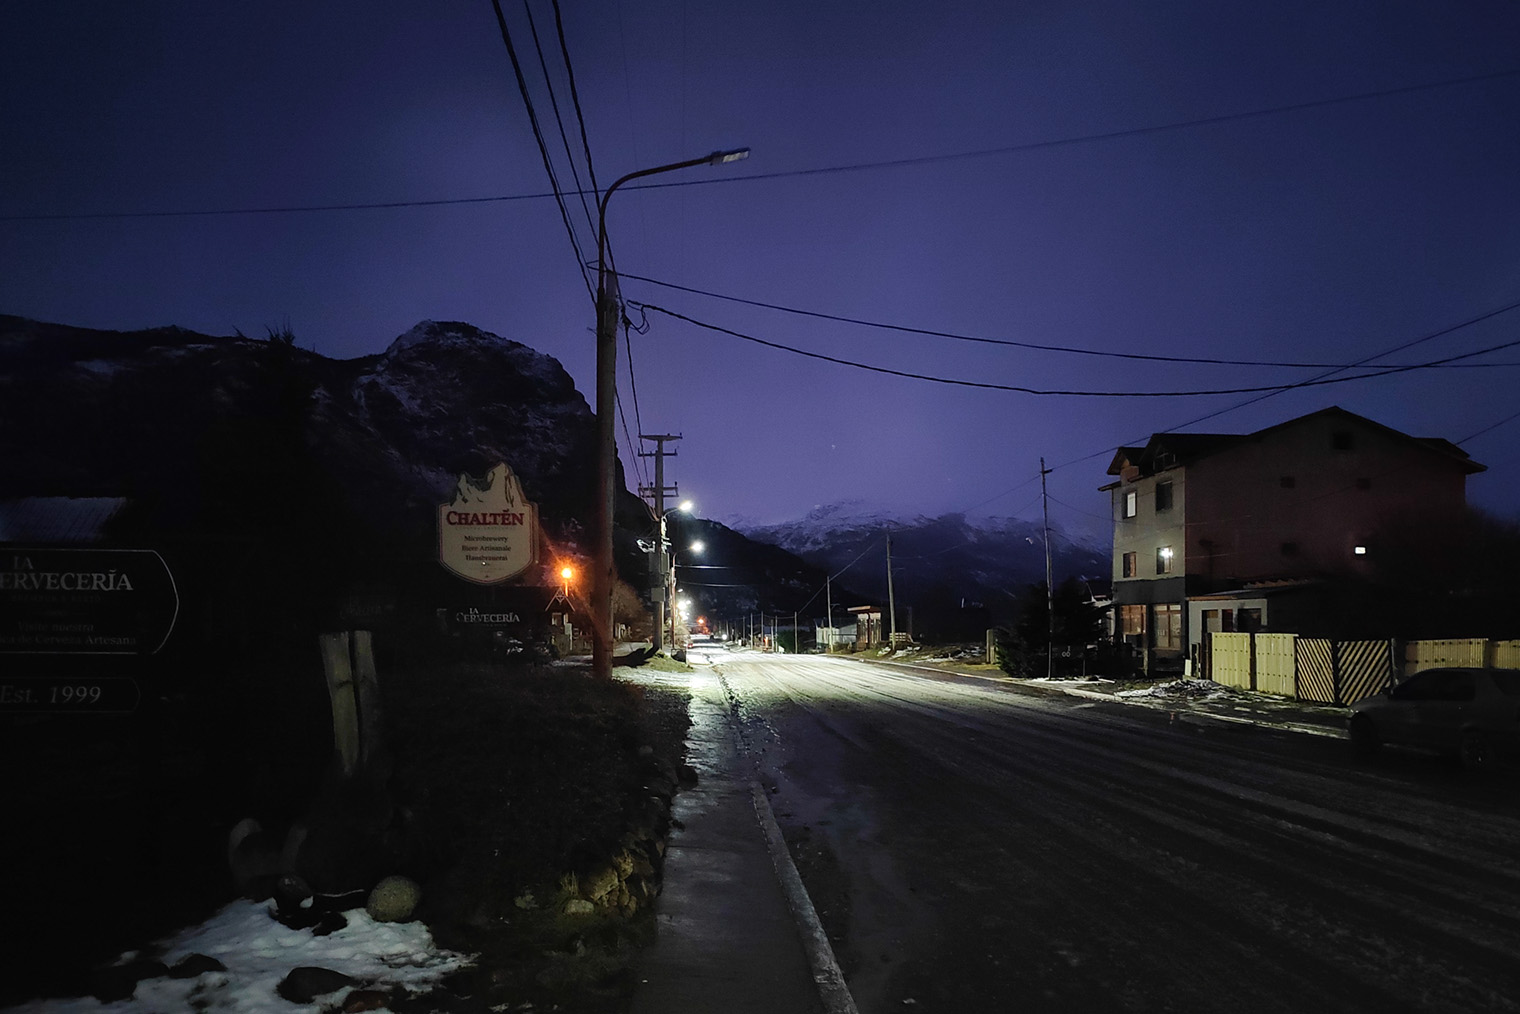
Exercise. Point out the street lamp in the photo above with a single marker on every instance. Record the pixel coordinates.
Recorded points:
(606, 399)
(661, 567)
(695, 547)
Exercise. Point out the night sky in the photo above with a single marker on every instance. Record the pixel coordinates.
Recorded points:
(1286, 182)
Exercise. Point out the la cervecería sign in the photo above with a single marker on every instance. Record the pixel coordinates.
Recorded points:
(488, 533)
(85, 601)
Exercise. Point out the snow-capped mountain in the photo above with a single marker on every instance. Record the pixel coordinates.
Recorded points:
(938, 563)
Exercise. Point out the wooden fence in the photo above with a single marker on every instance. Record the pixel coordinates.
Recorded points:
(1338, 672)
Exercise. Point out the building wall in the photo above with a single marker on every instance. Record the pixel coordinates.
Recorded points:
(1292, 503)
(1150, 529)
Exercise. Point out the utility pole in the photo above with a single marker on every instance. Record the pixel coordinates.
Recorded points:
(891, 600)
(660, 569)
(608, 311)
(828, 589)
(1050, 592)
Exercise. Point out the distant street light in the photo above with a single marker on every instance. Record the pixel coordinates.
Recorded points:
(665, 568)
(603, 578)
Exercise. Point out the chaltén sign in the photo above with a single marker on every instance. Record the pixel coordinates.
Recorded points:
(489, 532)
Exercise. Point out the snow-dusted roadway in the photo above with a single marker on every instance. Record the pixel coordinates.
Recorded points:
(1008, 852)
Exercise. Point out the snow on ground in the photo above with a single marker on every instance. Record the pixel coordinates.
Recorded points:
(259, 952)
(1178, 688)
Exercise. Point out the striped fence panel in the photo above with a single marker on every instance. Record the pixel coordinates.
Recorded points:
(1275, 669)
(1366, 668)
(1230, 659)
(1314, 662)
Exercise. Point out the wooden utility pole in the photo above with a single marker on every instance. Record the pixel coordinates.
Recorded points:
(828, 589)
(1050, 592)
(891, 599)
(660, 570)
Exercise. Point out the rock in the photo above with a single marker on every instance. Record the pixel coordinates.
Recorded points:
(622, 863)
(394, 899)
(192, 965)
(119, 982)
(290, 894)
(307, 982)
(366, 999)
(599, 883)
(579, 906)
(329, 923)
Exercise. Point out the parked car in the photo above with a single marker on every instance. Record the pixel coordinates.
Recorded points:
(1471, 713)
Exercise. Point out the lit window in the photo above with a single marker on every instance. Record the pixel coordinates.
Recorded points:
(1360, 550)
(1132, 619)
(1131, 501)
(1169, 626)
(1163, 496)
(1164, 560)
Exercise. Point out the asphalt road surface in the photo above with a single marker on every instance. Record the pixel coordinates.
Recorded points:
(972, 847)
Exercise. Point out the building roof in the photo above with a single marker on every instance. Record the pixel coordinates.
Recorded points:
(51, 519)
(1167, 450)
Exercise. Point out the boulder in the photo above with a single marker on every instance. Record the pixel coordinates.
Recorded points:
(307, 982)
(394, 899)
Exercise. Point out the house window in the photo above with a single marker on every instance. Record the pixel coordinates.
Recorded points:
(1248, 620)
(1287, 481)
(1164, 560)
(1163, 496)
(1132, 620)
(1131, 502)
(1169, 626)
(1341, 440)
(1131, 565)
(1289, 548)
(1364, 483)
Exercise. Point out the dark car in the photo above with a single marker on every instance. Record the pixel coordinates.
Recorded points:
(1470, 713)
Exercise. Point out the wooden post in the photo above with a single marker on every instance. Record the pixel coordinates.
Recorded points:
(338, 667)
(367, 692)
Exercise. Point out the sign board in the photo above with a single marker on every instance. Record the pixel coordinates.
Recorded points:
(85, 601)
(488, 533)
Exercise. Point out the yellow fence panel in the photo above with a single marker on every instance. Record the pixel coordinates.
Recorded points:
(1504, 654)
(1231, 659)
(1274, 664)
(1433, 653)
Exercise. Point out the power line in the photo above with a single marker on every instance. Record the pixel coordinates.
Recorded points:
(783, 174)
(979, 339)
(1322, 380)
(543, 148)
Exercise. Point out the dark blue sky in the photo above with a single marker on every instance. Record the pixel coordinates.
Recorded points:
(1326, 232)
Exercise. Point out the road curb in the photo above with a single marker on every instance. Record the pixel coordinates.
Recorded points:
(832, 989)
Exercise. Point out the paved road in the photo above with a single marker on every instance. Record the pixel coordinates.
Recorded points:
(975, 848)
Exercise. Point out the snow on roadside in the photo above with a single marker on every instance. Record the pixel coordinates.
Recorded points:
(259, 952)
(1190, 688)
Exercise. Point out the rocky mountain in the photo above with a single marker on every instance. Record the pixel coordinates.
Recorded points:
(291, 491)
(940, 565)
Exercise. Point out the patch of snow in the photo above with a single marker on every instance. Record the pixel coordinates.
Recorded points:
(100, 367)
(1190, 688)
(259, 952)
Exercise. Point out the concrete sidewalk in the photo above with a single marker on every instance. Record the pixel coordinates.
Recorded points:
(728, 942)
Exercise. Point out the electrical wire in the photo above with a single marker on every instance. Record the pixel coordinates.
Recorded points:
(543, 148)
(558, 119)
(979, 339)
(1324, 379)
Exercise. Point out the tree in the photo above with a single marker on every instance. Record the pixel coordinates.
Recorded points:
(1078, 624)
